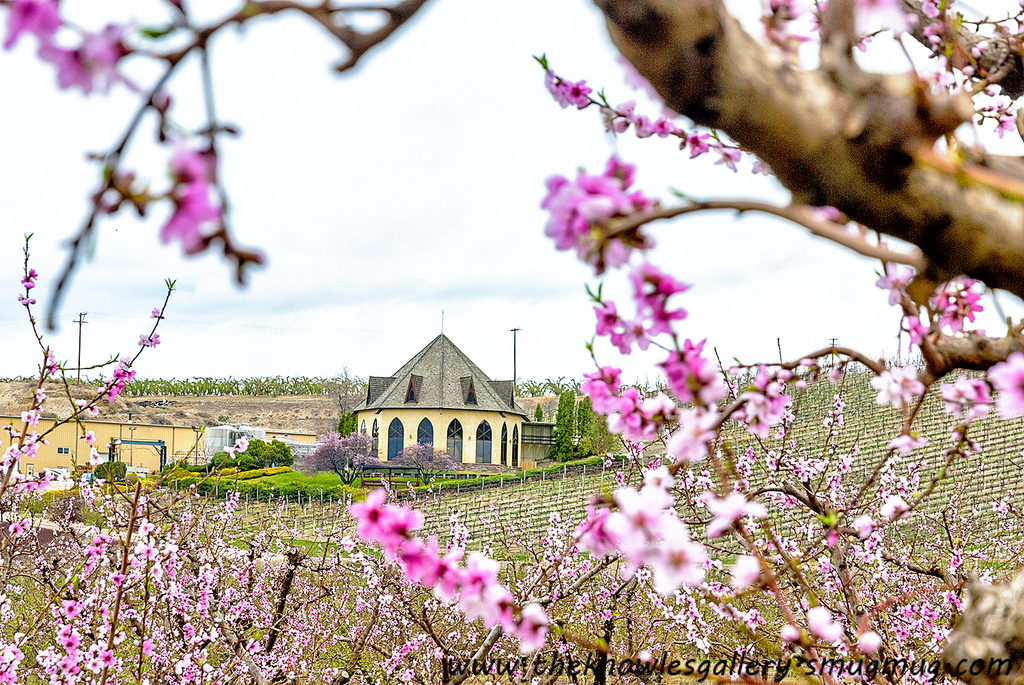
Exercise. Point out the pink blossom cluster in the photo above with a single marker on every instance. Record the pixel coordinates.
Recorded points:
(567, 93)
(898, 387)
(578, 207)
(764, 405)
(479, 593)
(122, 376)
(93, 63)
(696, 427)
(29, 282)
(966, 398)
(691, 377)
(730, 510)
(193, 210)
(651, 290)
(638, 419)
(645, 530)
(1008, 379)
(956, 303)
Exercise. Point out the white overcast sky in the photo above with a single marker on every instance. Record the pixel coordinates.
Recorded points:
(386, 195)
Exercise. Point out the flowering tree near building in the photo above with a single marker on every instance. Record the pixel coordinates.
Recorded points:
(429, 461)
(344, 455)
(729, 527)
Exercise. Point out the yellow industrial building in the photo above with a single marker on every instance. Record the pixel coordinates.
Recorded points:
(145, 445)
(440, 397)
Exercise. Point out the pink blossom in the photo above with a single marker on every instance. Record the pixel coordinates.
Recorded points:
(894, 507)
(19, 528)
(593, 536)
(664, 128)
(820, 623)
(638, 520)
(71, 608)
(967, 398)
(790, 633)
(567, 93)
(577, 206)
(602, 387)
(39, 17)
(895, 281)
(651, 290)
(869, 642)
(916, 330)
(729, 155)
(643, 127)
(675, 560)
(1006, 124)
(149, 340)
(907, 443)
(897, 387)
(420, 560)
(745, 572)
(864, 525)
(957, 303)
(93, 64)
(889, 13)
(1008, 379)
(532, 628)
(193, 210)
(730, 510)
(696, 428)
(691, 377)
(697, 145)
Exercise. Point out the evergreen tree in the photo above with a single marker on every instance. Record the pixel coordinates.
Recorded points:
(584, 422)
(538, 413)
(347, 424)
(565, 426)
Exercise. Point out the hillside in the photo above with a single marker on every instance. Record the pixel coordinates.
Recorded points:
(304, 413)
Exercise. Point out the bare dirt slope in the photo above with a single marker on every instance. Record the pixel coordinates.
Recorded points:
(302, 413)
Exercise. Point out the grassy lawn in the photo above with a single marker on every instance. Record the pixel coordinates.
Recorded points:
(324, 479)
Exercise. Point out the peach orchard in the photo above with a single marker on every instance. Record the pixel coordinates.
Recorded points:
(778, 549)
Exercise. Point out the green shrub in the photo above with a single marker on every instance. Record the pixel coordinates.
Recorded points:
(111, 470)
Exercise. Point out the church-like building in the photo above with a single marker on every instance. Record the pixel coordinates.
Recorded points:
(441, 397)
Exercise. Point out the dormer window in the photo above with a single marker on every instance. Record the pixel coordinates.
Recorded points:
(468, 391)
(410, 394)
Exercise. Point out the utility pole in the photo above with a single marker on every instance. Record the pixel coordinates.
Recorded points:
(514, 331)
(80, 321)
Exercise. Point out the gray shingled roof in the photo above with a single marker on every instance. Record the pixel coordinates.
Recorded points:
(440, 385)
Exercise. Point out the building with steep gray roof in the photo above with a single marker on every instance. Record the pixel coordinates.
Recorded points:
(440, 397)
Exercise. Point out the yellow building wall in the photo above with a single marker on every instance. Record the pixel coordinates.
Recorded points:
(470, 420)
(66, 448)
(285, 435)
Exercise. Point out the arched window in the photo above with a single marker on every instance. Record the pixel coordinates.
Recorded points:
(483, 443)
(362, 428)
(504, 444)
(395, 439)
(515, 446)
(425, 433)
(375, 433)
(455, 439)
